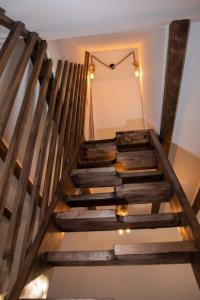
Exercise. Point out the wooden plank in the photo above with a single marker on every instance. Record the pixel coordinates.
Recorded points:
(9, 23)
(76, 110)
(95, 177)
(104, 220)
(86, 64)
(8, 100)
(141, 192)
(138, 196)
(9, 45)
(136, 254)
(196, 203)
(26, 166)
(177, 46)
(19, 128)
(146, 159)
(131, 140)
(154, 248)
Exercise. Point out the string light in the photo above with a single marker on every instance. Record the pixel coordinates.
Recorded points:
(91, 71)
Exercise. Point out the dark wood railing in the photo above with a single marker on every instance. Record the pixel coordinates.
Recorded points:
(62, 133)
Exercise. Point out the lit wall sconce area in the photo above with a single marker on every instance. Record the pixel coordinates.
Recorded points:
(37, 288)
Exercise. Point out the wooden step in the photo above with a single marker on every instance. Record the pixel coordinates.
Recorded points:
(138, 193)
(135, 254)
(144, 192)
(95, 177)
(104, 220)
(130, 140)
(145, 159)
(98, 177)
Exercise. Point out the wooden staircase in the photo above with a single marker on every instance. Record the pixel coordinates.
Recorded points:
(133, 166)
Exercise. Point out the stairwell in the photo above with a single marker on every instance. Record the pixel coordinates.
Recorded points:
(133, 164)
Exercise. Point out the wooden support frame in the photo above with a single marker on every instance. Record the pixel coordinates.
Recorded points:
(196, 203)
(177, 45)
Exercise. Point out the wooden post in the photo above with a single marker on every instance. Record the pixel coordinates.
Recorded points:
(177, 45)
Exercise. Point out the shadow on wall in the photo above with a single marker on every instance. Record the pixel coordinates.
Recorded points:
(108, 133)
(187, 168)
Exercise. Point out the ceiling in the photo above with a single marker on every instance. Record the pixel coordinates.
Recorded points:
(75, 18)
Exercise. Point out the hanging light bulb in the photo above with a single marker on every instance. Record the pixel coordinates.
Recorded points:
(91, 71)
(128, 230)
(137, 70)
(121, 210)
(121, 231)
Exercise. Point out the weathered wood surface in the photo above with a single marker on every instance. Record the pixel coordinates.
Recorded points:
(104, 220)
(13, 86)
(146, 159)
(139, 193)
(196, 203)
(70, 298)
(177, 46)
(9, 45)
(130, 140)
(136, 254)
(95, 177)
(144, 192)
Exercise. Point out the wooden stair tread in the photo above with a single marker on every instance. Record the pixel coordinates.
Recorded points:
(108, 176)
(144, 159)
(137, 193)
(68, 298)
(95, 177)
(104, 220)
(135, 254)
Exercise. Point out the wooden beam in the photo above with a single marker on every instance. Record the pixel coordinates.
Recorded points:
(139, 193)
(101, 220)
(177, 45)
(136, 254)
(95, 177)
(196, 203)
(10, 44)
(143, 159)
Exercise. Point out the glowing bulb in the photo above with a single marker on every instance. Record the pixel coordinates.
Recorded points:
(91, 76)
(137, 73)
(128, 230)
(121, 231)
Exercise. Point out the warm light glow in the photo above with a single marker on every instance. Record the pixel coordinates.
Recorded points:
(128, 230)
(121, 210)
(137, 73)
(92, 76)
(121, 231)
(37, 288)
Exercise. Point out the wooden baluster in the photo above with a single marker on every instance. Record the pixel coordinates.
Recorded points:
(21, 190)
(69, 117)
(70, 95)
(74, 112)
(52, 150)
(40, 163)
(19, 129)
(86, 63)
(8, 100)
(62, 130)
(77, 109)
(9, 45)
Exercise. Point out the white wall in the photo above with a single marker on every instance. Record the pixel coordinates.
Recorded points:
(152, 57)
(116, 95)
(185, 150)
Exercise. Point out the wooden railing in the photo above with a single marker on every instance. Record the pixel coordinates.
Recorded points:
(62, 99)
